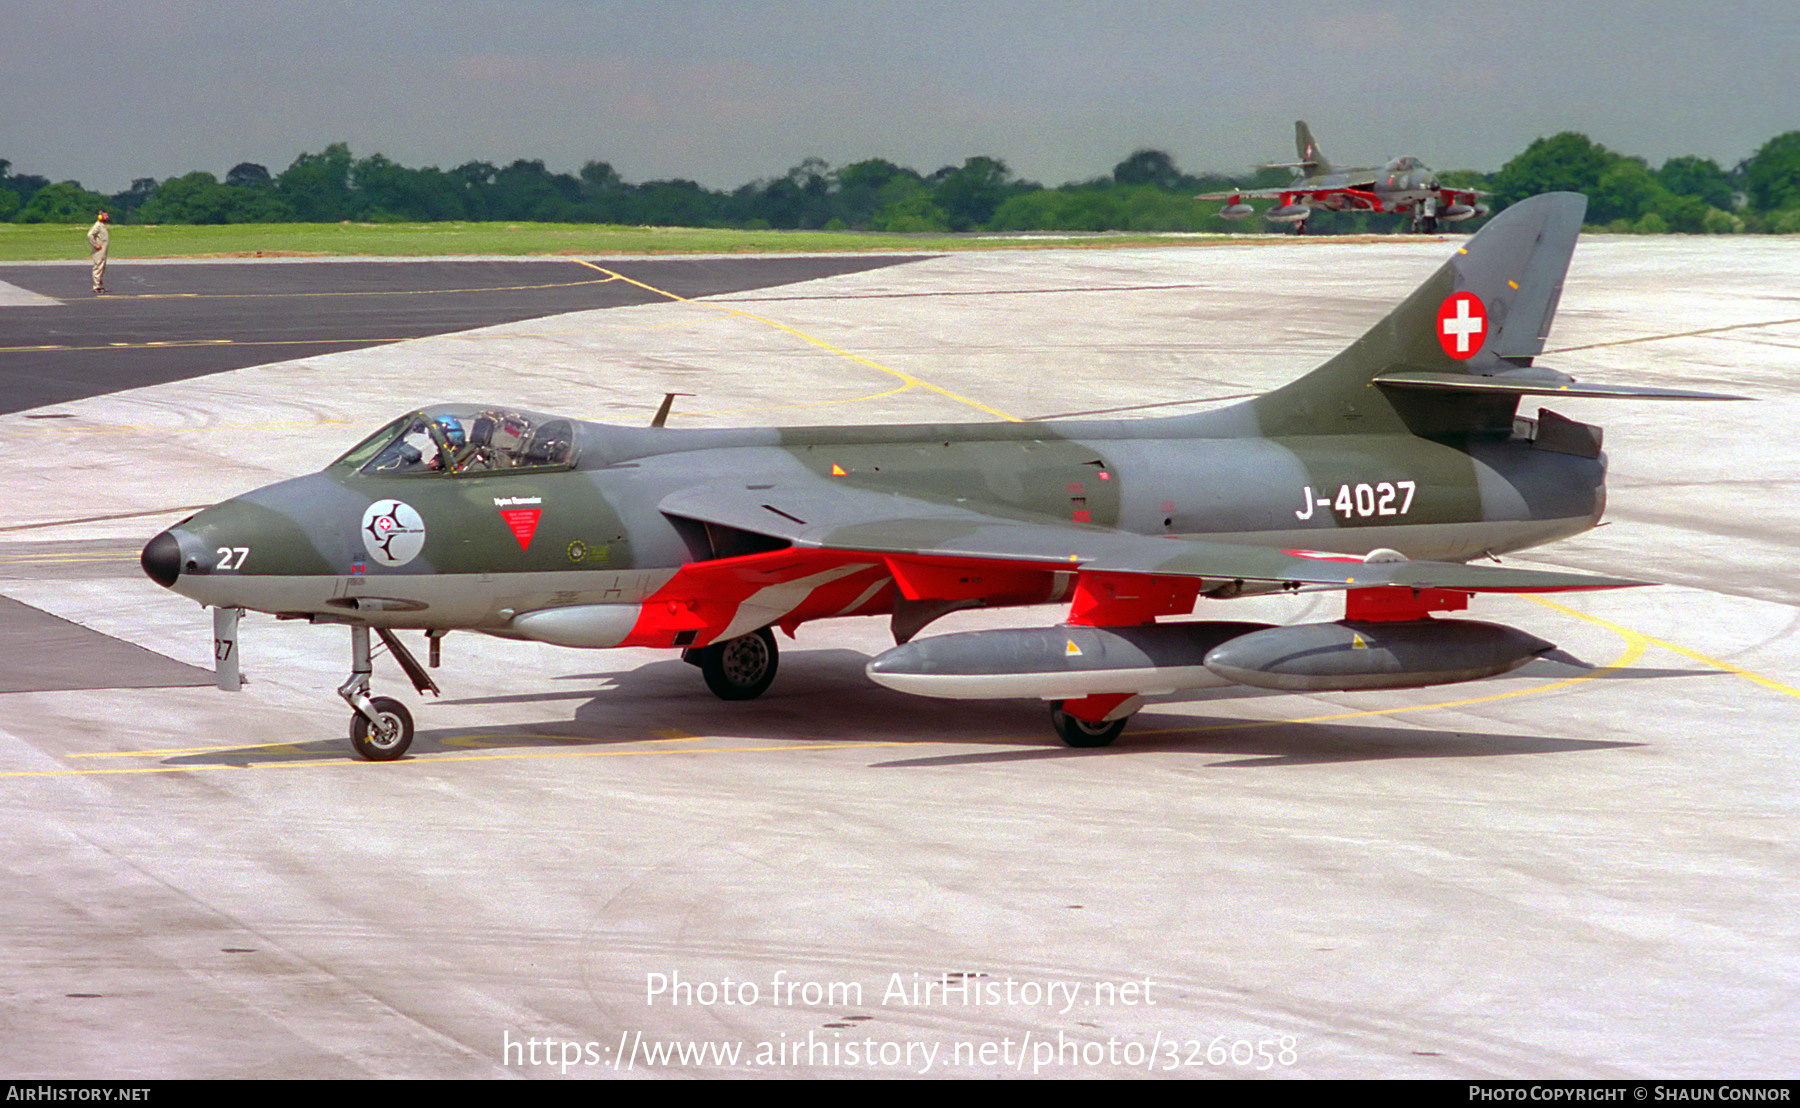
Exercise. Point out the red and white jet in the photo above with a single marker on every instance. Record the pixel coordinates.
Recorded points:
(1404, 184)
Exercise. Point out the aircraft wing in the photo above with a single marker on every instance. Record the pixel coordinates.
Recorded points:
(844, 519)
(1264, 194)
(1353, 198)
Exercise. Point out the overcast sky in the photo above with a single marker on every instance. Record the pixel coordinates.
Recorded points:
(727, 92)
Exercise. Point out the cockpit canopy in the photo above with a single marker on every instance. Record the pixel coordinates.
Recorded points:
(465, 440)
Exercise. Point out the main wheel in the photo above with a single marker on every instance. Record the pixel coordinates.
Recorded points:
(384, 741)
(742, 668)
(1082, 734)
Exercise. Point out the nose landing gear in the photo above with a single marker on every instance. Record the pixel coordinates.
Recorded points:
(381, 729)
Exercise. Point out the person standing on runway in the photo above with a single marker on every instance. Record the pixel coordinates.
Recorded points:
(97, 240)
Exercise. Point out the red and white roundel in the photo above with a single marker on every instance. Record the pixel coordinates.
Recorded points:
(1462, 325)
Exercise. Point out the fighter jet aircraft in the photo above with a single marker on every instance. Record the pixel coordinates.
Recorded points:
(1402, 185)
(1378, 474)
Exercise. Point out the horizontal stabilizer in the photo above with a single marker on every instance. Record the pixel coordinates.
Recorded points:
(1540, 386)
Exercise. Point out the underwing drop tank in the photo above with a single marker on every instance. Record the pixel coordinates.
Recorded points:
(1347, 656)
(1058, 663)
(1068, 662)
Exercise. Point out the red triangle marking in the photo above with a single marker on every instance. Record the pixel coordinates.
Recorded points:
(523, 522)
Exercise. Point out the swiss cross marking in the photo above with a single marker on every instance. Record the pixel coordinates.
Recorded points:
(1462, 325)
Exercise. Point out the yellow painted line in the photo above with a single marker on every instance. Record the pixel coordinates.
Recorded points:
(636, 752)
(1634, 649)
(1636, 643)
(716, 412)
(1735, 670)
(910, 381)
(177, 751)
(665, 747)
(105, 772)
(792, 407)
(667, 735)
(297, 747)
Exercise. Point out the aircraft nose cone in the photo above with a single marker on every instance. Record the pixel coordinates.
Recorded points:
(162, 559)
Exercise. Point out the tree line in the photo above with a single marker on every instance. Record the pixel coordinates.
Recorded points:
(1145, 192)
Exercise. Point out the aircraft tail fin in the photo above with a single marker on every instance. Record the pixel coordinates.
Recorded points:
(1455, 356)
(1312, 159)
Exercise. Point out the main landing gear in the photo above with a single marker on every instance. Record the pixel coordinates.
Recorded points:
(1424, 220)
(1092, 721)
(380, 728)
(740, 668)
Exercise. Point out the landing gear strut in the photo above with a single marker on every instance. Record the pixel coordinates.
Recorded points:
(380, 728)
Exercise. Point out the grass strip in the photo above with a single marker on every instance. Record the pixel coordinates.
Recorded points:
(55, 242)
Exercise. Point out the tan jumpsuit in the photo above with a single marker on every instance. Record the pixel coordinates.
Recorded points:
(97, 238)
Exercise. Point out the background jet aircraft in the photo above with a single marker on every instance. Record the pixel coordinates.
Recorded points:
(1402, 185)
(1377, 474)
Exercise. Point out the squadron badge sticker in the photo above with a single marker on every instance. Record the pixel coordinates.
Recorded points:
(392, 532)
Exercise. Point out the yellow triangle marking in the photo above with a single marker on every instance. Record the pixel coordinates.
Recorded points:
(838, 470)
(1073, 651)
(1357, 643)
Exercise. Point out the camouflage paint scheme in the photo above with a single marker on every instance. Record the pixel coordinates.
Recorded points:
(595, 535)
(1403, 184)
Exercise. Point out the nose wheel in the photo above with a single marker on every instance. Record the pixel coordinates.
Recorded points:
(388, 736)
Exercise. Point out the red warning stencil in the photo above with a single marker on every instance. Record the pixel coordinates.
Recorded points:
(523, 523)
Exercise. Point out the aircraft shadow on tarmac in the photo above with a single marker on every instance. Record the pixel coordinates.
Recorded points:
(1259, 744)
(821, 698)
